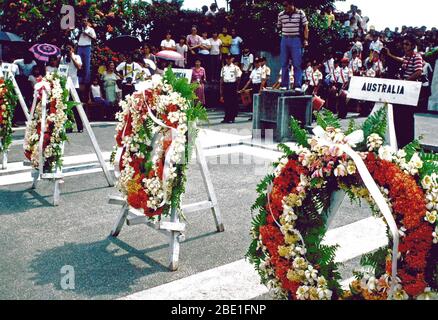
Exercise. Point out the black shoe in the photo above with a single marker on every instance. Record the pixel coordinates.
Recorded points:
(250, 119)
(225, 121)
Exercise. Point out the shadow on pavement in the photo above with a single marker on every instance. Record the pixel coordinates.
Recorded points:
(12, 202)
(106, 267)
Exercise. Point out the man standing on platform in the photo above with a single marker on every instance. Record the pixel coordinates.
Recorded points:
(230, 79)
(411, 70)
(295, 35)
(87, 35)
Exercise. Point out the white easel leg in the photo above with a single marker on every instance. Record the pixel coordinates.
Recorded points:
(5, 160)
(35, 176)
(120, 221)
(174, 243)
(90, 132)
(56, 192)
(209, 186)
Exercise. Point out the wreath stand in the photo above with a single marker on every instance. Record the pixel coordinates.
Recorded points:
(4, 164)
(175, 227)
(57, 176)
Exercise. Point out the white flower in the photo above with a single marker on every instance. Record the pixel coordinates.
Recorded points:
(416, 162)
(324, 294)
(431, 217)
(322, 282)
(427, 182)
(374, 142)
(340, 171)
(386, 153)
(435, 236)
(302, 293)
(311, 274)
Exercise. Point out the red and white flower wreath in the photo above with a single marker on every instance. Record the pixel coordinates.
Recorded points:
(151, 141)
(287, 249)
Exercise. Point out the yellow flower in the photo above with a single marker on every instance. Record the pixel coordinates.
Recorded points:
(133, 186)
(293, 276)
(293, 200)
(283, 251)
(291, 238)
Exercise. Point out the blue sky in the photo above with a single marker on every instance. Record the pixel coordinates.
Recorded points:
(383, 13)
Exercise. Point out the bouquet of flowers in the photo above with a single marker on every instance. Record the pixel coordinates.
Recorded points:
(58, 112)
(154, 138)
(8, 101)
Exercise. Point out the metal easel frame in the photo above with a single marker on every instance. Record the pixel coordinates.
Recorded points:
(175, 227)
(58, 176)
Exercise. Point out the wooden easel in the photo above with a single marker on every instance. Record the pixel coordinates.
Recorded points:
(58, 176)
(23, 106)
(175, 227)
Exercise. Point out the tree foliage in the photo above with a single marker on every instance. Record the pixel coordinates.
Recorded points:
(39, 21)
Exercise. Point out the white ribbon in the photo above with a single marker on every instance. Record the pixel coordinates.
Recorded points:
(371, 186)
(42, 85)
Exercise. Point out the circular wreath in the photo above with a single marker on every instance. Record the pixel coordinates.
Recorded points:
(153, 145)
(294, 202)
(58, 112)
(8, 101)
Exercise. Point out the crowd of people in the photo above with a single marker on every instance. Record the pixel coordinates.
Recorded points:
(222, 58)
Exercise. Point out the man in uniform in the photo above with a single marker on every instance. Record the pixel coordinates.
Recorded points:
(229, 86)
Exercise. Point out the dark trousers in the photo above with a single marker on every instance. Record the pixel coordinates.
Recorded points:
(230, 101)
(215, 68)
(404, 122)
(78, 119)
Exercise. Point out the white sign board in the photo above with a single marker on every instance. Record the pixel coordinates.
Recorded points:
(63, 70)
(385, 90)
(183, 73)
(6, 68)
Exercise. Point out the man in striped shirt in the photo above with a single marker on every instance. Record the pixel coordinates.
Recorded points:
(295, 34)
(411, 70)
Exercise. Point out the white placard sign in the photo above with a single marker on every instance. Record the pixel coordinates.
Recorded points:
(6, 68)
(183, 73)
(63, 70)
(385, 90)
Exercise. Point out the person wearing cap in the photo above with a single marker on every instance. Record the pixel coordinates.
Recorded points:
(339, 80)
(229, 84)
(295, 35)
(343, 83)
(256, 79)
(266, 72)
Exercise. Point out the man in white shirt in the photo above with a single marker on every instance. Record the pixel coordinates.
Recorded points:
(129, 71)
(230, 79)
(74, 63)
(215, 57)
(213, 10)
(256, 77)
(168, 43)
(355, 63)
(376, 44)
(86, 37)
(247, 63)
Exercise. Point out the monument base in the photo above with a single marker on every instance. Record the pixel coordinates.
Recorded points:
(273, 110)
